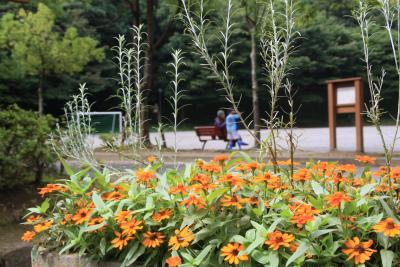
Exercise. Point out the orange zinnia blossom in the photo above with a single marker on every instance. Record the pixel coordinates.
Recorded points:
(120, 241)
(337, 198)
(201, 178)
(97, 220)
(153, 239)
(303, 213)
(387, 227)
(151, 158)
(179, 189)
(31, 219)
(220, 158)
(234, 201)
(162, 215)
(211, 167)
(28, 236)
(50, 188)
(195, 201)
(81, 216)
(277, 239)
(174, 261)
(350, 168)
(360, 251)
(365, 159)
(43, 226)
(231, 253)
(122, 216)
(302, 175)
(131, 227)
(144, 176)
(181, 239)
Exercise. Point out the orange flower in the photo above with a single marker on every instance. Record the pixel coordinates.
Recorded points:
(174, 261)
(67, 218)
(153, 239)
(151, 159)
(120, 241)
(179, 189)
(337, 198)
(201, 178)
(221, 158)
(162, 215)
(234, 201)
(231, 253)
(388, 228)
(144, 176)
(43, 226)
(97, 220)
(350, 168)
(360, 251)
(28, 236)
(131, 227)
(303, 213)
(302, 175)
(81, 216)
(181, 239)
(50, 188)
(31, 219)
(233, 180)
(195, 201)
(122, 216)
(211, 167)
(365, 159)
(276, 239)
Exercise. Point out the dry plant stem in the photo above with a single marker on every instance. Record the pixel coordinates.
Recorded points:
(219, 67)
(374, 112)
(177, 95)
(292, 121)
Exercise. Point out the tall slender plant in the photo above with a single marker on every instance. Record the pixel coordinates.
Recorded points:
(177, 94)
(390, 11)
(130, 59)
(73, 139)
(276, 47)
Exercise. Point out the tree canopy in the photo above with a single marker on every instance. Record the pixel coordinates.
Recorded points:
(67, 40)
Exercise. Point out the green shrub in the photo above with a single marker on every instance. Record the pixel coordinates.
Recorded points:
(24, 149)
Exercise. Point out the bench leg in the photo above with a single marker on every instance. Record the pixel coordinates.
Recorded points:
(204, 145)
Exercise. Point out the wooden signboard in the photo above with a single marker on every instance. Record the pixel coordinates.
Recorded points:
(345, 96)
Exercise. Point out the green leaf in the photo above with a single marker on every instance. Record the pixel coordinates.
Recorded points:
(216, 194)
(44, 206)
(199, 259)
(260, 228)
(387, 257)
(274, 259)
(66, 166)
(366, 189)
(318, 233)
(318, 189)
(98, 202)
(299, 253)
(388, 210)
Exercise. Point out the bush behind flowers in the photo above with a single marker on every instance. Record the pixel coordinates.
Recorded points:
(229, 211)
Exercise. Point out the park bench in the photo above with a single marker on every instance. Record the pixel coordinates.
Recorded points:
(210, 133)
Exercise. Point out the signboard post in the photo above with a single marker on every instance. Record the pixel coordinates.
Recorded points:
(345, 96)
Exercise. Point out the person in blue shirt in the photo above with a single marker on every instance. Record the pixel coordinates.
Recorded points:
(232, 128)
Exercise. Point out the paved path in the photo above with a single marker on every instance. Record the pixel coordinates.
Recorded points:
(309, 139)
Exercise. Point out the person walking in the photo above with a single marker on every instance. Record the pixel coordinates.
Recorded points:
(232, 128)
(220, 124)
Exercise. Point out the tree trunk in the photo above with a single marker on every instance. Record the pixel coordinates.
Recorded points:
(148, 72)
(40, 96)
(254, 85)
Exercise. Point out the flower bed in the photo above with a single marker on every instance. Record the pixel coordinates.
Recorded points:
(230, 211)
